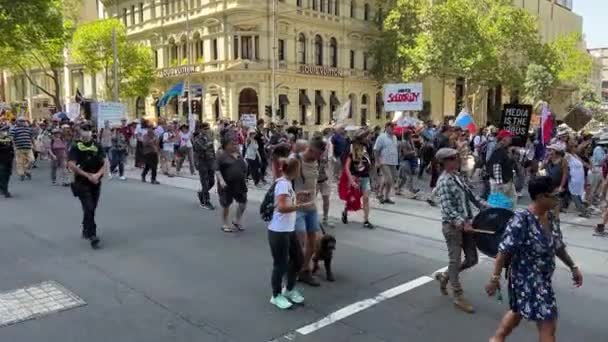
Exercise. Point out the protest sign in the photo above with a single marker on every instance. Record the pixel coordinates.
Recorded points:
(403, 97)
(516, 119)
(113, 112)
(249, 120)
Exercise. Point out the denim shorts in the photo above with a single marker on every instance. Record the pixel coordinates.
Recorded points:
(364, 184)
(307, 221)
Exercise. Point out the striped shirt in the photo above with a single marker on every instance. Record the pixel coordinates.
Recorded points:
(22, 137)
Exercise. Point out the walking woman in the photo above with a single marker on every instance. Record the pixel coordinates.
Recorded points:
(253, 157)
(149, 149)
(185, 149)
(231, 174)
(357, 167)
(282, 238)
(58, 152)
(531, 242)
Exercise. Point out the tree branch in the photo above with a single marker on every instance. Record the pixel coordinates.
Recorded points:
(29, 78)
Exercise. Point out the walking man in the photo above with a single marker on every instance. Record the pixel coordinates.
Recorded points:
(88, 162)
(387, 159)
(455, 199)
(307, 219)
(23, 141)
(7, 155)
(205, 155)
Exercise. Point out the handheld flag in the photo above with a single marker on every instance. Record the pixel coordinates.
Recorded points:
(464, 120)
(546, 125)
(176, 90)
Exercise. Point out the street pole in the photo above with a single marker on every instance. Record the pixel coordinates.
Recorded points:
(115, 51)
(188, 52)
(273, 60)
(115, 71)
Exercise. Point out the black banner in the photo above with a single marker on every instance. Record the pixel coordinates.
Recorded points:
(516, 119)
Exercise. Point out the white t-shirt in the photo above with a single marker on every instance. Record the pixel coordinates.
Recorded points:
(184, 140)
(168, 145)
(252, 150)
(282, 222)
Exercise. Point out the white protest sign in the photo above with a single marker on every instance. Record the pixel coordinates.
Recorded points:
(402, 97)
(113, 112)
(249, 120)
(73, 110)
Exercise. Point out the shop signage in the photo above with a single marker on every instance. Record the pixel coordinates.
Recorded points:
(319, 70)
(516, 119)
(182, 70)
(403, 97)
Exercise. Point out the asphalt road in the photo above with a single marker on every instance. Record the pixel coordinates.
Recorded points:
(167, 273)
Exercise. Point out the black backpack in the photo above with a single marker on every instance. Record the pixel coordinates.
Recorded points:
(267, 206)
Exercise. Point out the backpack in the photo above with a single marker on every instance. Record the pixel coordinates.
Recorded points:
(267, 206)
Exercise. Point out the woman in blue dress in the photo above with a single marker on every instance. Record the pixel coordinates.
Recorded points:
(531, 241)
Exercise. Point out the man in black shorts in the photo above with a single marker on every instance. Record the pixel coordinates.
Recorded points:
(231, 173)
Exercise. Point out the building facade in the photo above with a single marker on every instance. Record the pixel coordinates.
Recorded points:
(320, 50)
(601, 55)
(20, 93)
(319, 46)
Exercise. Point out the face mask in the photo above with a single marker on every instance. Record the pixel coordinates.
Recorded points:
(86, 135)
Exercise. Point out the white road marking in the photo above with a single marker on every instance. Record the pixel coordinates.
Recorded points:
(365, 304)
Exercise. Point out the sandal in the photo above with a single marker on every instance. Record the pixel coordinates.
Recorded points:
(227, 229)
(238, 227)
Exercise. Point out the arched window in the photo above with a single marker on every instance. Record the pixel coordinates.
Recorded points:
(184, 47)
(379, 105)
(353, 103)
(352, 8)
(364, 101)
(333, 52)
(172, 53)
(198, 48)
(318, 50)
(302, 48)
(366, 12)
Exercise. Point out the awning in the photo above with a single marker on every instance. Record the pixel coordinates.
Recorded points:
(304, 100)
(283, 99)
(319, 100)
(333, 100)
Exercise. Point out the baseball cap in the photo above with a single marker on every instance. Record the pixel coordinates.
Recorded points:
(503, 133)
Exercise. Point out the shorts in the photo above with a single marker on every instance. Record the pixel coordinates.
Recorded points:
(307, 221)
(389, 174)
(324, 188)
(227, 196)
(365, 184)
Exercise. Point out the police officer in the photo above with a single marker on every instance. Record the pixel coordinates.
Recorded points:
(88, 162)
(7, 155)
(205, 155)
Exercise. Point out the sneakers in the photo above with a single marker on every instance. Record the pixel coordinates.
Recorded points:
(7, 194)
(281, 302)
(368, 225)
(123, 178)
(293, 296)
(207, 206)
(307, 278)
(155, 182)
(463, 304)
(443, 282)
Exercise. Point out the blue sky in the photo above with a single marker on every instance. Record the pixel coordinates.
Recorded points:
(595, 15)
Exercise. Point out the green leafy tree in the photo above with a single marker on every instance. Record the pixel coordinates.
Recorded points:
(573, 65)
(399, 30)
(538, 84)
(92, 46)
(39, 31)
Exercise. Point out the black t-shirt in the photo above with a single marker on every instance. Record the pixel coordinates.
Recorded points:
(500, 156)
(88, 156)
(233, 170)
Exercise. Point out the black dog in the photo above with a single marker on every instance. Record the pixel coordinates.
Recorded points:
(324, 250)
